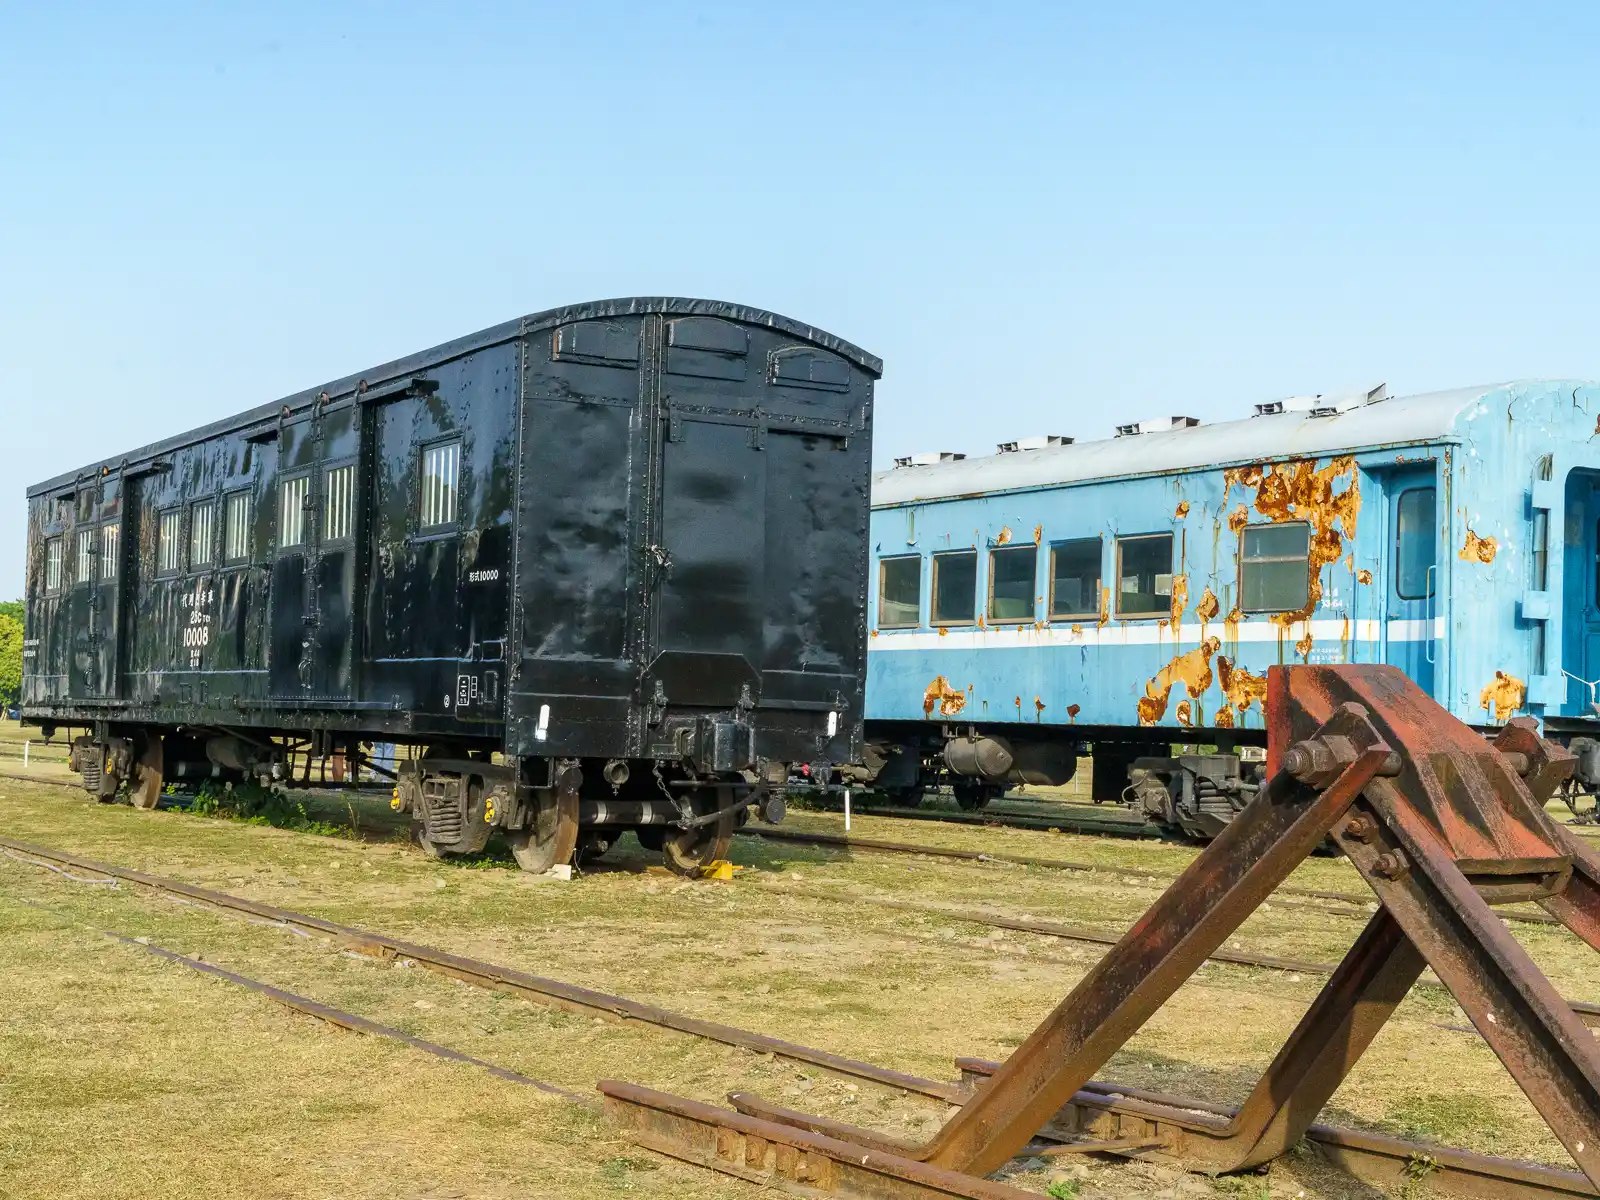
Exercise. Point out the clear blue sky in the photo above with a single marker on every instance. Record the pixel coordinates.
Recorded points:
(1044, 218)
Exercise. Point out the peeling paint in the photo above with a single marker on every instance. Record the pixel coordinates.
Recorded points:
(1481, 549)
(1072, 712)
(948, 700)
(1077, 629)
(1230, 624)
(1240, 687)
(1182, 510)
(1105, 607)
(1504, 697)
(1363, 576)
(1193, 670)
(943, 631)
(1038, 534)
(1180, 597)
(1207, 610)
(1300, 491)
(1185, 714)
(1303, 646)
(1239, 518)
(1005, 535)
(1038, 707)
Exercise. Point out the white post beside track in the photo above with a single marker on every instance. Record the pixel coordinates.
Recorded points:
(25, 746)
(847, 810)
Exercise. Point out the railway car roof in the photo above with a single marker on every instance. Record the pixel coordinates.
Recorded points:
(506, 331)
(1400, 421)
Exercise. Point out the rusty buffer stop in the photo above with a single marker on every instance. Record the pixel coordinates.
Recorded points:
(1442, 824)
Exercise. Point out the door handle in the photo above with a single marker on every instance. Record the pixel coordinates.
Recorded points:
(1427, 641)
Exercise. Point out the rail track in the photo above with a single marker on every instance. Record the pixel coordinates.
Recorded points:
(1588, 1010)
(1358, 906)
(1009, 818)
(877, 846)
(1164, 1116)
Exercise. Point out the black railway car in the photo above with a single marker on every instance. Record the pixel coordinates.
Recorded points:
(605, 562)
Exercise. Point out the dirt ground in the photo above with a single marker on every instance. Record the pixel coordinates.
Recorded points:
(122, 1075)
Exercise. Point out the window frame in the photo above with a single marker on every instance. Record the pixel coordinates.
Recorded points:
(451, 527)
(883, 562)
(57, 544)
(1430, 574)
(110, 556)
(303, 542)
(1033, 589)
(210, 561)
(1304, 559)
(1160, 614)
(325, 509)
(246, 495)
(1093, 613)
(933, 588)
(161, 571)
(87, 552)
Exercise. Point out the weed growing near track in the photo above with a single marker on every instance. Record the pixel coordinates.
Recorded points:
(256, 805)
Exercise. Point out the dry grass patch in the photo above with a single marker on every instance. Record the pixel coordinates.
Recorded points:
(228, 1079)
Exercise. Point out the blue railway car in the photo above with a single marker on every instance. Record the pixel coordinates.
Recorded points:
(1124, 597)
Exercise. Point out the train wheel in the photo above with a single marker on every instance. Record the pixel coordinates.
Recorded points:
(909, 797)
(553, 838)
(145, 781)
(685, 851)
(970, 795)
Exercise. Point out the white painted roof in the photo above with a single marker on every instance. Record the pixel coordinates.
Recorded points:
(1407, 420)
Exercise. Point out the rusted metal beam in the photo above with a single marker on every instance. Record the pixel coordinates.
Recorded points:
(774, 1155)
(1440, 824)
(1109, 1111)
(1461, 827)
(1223, 886)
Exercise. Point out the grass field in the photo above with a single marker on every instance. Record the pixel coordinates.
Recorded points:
(122, 1075)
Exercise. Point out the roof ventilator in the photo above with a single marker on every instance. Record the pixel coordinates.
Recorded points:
(1324, 405)
(1157, 425)
(1033, 443)
(928, 460)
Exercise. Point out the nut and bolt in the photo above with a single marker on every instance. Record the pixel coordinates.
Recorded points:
(1361, 827)
(1308, 759)
(1391, 864)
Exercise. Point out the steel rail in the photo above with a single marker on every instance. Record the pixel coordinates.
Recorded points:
(1395, 1159)
(1055, 929)
(1588, 1010)
(349, 1020)
(490, 975)
(1134, 830)
(1360, 1153)
(835, 841)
